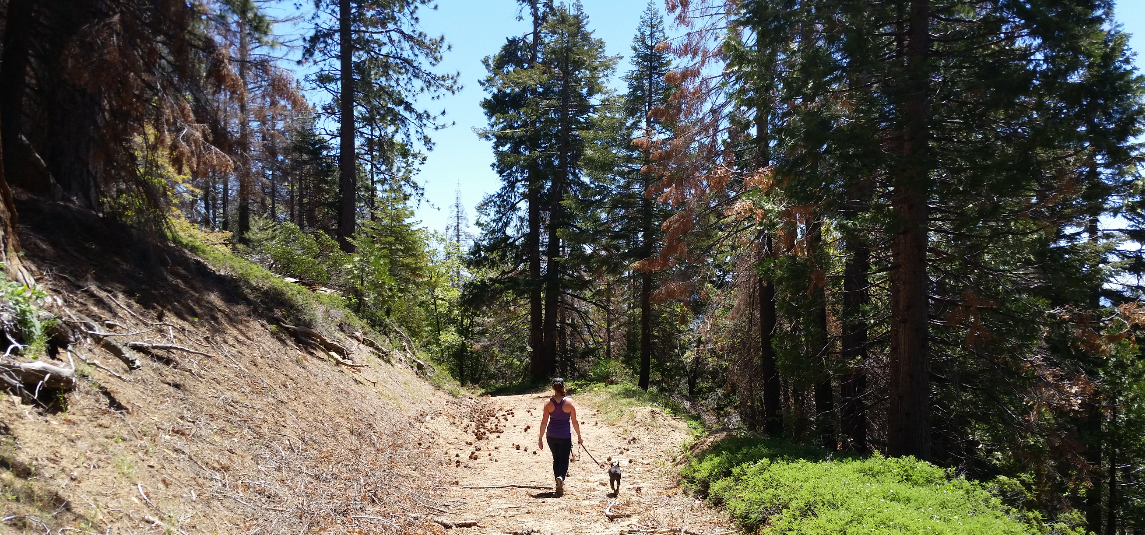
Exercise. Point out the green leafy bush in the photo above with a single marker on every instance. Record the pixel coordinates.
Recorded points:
(780, 488)
(33, 321)
(289, 251)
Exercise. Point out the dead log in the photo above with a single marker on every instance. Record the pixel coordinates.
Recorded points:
(308, 335)
(540, 487)
(122, 353)
(651, 531)
(447, 524)
(92, 329)
(144, 346)
(343, 361)
(381, 350)
(35, 375)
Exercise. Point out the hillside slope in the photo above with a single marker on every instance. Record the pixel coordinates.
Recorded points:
(245, 429)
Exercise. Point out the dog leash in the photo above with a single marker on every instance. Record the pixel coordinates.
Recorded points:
(590, 455)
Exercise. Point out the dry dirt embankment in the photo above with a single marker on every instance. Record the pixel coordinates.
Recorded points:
(233, 423)
(248, 429)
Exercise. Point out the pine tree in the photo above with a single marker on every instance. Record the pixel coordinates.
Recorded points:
(647, 91)
(382, 53)
(542, 97)
(457, 235)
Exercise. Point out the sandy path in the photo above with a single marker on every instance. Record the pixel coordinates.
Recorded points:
(493, 441)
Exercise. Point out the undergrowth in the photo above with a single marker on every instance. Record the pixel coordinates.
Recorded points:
(774, 487)
(32, 320)
(615, 400)
(295, 303)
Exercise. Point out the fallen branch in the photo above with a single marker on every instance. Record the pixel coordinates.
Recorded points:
(676, 529)
(508, 487)
(102, 367)
(307, 334)
(41, 374)
(144, 494)
(378, 518)
(150, 347)
(447, 524)
(611, 515)
(122, 353)
(104, 335)
(343, 361)
(113, 300)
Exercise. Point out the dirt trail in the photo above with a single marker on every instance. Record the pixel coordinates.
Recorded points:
(492, 442)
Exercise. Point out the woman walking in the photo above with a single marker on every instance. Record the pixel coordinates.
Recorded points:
(559, 413)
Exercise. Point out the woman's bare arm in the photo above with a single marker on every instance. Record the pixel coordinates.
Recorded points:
(544, 425)
(575, 423)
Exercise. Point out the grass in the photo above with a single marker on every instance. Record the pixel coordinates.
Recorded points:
(773, 487)
(616, 400)
(293, 302)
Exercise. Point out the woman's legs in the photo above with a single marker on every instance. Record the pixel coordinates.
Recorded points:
(561, 448)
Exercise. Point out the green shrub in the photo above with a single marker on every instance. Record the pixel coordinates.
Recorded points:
(780, 488)
(33, 321)
(289, 251)
(615, 400)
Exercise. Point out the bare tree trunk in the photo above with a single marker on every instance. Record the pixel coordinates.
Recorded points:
(536, 299)
(645, 328)
(226, 184)
(347, 156)
(14, 71)
(9, 244)
(772, 383)
(244, 162)
(824, 389)
(1094, 450)
(537, 357)
(1111, 518)
(909, 419)
(768, 318)
(608, 320)
(852, 388)
(646, 285)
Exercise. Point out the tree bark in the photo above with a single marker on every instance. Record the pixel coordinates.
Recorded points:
(772, 395)
(909, 419)
(537, 360)
(768, 319)
(646, 232)
(243, 148)
(852, 388)
(14, 70)
(9, 244)
(824, 389)
(1094, 450)
(645, 328)
(1111, 513)
(347, 156)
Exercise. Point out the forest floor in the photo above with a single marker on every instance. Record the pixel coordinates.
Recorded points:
(502, 482)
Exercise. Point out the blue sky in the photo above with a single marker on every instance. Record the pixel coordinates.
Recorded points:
(477, 28)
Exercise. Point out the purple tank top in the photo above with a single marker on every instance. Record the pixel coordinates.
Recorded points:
(559, 421)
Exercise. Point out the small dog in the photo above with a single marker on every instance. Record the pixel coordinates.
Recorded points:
(614, 477)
